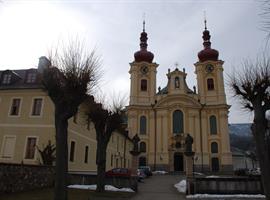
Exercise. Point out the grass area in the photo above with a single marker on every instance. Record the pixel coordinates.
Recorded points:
(73, 194)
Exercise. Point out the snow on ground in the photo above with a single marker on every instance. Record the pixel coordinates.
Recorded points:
(198, 173)
(181, 186)
(214, 196)
(267, 114)
(160, 172)
(107, 188)
(212, 176)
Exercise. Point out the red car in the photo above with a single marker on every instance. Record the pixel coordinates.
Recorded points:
(122, 172)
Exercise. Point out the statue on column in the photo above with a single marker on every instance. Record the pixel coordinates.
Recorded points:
(135, 141)
(188, 143)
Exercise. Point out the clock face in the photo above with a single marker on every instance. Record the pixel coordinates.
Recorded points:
(209, 68)
(144, 69)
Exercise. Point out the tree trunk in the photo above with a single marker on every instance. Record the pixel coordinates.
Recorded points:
(262, 144)
(61, 168)
(101, 165)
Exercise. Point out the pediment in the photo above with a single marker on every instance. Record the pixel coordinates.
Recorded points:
(178, 100)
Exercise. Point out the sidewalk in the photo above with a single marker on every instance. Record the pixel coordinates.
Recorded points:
(159, 187)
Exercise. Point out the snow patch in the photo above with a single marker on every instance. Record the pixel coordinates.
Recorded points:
(198, 173)
(181, 186)
(160, 172)
(94, 187)
(267, 114)
(212, 176)
(214, 196)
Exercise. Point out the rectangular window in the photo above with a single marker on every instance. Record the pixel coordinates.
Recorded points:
(75, 118)
(31, 77)
(37, 104)
(117, 144)
(72, 151)
(88, 123)
(111, 160)
(30, 148)
(143, 85)
(210, 84)
(15, 107)
(86, 154)
(8, 146)
(6, 79)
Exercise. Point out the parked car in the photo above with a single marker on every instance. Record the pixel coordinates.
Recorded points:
(141, 175)
(118, 172)
(254, 172)
(147, 170)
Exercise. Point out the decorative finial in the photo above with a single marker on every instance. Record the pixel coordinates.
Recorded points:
(176, 65)
(205, 21)
(143, 22)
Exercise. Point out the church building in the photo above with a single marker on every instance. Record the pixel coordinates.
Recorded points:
(162, 118)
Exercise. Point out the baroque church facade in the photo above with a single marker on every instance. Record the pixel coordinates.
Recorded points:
(162, 119)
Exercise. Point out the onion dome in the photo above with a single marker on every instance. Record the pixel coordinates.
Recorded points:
(207, 53)
(143, 54)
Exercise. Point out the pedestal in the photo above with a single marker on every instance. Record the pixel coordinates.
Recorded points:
(189, 172)
(134, 162)
(189, 166)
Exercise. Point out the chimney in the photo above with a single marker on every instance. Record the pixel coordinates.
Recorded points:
(43, 63)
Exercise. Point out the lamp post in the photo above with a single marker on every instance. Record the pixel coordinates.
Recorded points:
(155, 135)
(201, 139)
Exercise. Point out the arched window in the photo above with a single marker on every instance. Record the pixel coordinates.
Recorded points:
(143, 125)
(215, 164)
(142, 146)
(176, 82)
(214, 147)
(142, 161)
(210, 84)
(143, 85)
(213, 125)
(178, 122)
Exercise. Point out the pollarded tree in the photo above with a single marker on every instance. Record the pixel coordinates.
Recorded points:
(73, 72)
(105, 121)
(47, 153)
(252, 86)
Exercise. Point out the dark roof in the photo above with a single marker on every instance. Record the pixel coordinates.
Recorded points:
(163, 91)
(18, 79)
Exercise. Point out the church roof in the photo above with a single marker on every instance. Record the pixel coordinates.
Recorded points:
(163, 91)
(143, 55)
(207, 53)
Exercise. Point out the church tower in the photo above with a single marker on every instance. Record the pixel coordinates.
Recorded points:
(209, 72)
(143, 74)
(215, 144)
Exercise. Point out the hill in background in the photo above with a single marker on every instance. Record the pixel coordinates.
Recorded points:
(241, 137)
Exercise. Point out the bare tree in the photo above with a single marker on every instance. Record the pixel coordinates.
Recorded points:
(73, 73)
(252, 87)
(106, 121)
(47, 153)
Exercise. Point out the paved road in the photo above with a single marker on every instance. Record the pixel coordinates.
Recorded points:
(159, 187)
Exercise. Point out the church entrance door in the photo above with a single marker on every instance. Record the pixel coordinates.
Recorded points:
(178, 162)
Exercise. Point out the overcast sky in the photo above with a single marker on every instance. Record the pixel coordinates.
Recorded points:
(29, 28)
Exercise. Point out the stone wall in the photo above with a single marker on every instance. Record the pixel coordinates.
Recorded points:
(19, 177)
(228, 185)
(119, 182)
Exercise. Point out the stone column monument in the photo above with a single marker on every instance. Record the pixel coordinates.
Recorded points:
(135, 153)
(189, 154)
